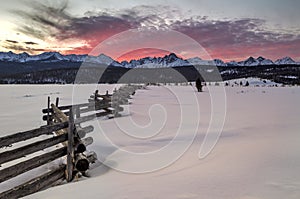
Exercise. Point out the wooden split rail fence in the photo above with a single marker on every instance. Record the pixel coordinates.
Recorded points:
(64, 124)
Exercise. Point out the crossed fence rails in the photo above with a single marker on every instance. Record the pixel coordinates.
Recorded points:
(69, 137)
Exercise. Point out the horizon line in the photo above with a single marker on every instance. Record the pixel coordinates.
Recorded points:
(166, 54)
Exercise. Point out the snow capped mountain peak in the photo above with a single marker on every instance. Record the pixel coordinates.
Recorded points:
(219, 62)
(47, 57)
(260, 59)
(232, 63)
(249, 62)
(104, 56)
(195, 60)
(171, 57)
(264, 61)
(22, 57)
(199, 61)
(250, 59)
(50, 54)
(102, 59)
(76, 58)
(170, 60)
(173, 60)
(12, 57)
(7, 53)
(285, 61)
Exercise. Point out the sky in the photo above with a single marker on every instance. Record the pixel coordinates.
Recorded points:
(228, 30)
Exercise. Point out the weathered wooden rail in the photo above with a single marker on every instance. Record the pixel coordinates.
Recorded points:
(32, 163)
(65, 132)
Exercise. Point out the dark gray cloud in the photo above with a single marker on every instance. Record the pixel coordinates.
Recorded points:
(21, 48)
(239, 37)
(12, 41)
(43, 20)
(30, 43)
(240, 31)
(220, 37)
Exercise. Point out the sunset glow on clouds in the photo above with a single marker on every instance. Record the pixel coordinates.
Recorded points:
(46, 27)
(142, 53)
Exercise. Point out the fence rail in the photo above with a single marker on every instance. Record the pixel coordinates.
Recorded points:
(64, 124)
(31, 148)
(25, 135)
(36, 184)
(32, 163)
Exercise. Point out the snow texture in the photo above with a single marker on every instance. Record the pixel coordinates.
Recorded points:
(256, 157)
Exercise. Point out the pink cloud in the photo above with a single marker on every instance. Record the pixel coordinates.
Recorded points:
(225, 39)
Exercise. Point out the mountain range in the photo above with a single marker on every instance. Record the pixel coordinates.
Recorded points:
(171, 60)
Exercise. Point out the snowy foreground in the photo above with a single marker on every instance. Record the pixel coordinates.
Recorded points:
(257, 155)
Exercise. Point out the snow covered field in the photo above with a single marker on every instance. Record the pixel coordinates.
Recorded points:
(257, 155)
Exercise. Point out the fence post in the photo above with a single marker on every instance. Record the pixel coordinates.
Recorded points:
(57, 101)
(96, 95)
(77, 112)
(70, 148)
(48, 111)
